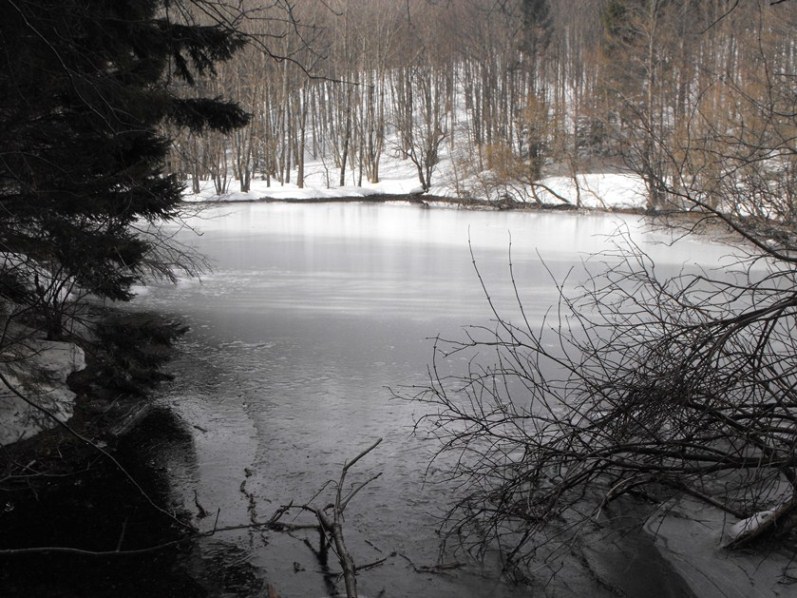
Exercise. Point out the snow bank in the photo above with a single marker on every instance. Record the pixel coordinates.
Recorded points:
(600, 190)
(37, 369)
(399, 177)
(747, 526)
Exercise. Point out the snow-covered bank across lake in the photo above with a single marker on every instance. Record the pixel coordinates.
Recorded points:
(595, 190)
(36, 369)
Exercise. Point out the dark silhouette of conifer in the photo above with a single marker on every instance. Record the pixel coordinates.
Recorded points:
(85, 87)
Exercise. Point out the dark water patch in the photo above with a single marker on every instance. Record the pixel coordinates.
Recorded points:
(623, 557)
(97, 508)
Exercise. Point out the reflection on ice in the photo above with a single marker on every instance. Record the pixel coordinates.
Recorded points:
(311, 313)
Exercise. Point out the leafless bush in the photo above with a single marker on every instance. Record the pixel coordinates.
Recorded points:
(633, 386)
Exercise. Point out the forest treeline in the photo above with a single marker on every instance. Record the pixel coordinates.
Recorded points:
(685, 94)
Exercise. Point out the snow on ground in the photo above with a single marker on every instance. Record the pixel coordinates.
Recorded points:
(37, 369)
(600, 190)
(399, 177)
(321, 181)
(748, 526)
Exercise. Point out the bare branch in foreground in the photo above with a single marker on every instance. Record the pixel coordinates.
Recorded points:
(634, 386)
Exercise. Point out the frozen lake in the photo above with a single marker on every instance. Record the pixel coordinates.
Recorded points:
(310, 315)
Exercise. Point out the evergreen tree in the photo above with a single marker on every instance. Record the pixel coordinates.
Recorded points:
(85, 86)
(537, 25)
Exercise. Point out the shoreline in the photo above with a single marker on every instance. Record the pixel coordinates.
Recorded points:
(431, 201)
(98, 518)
